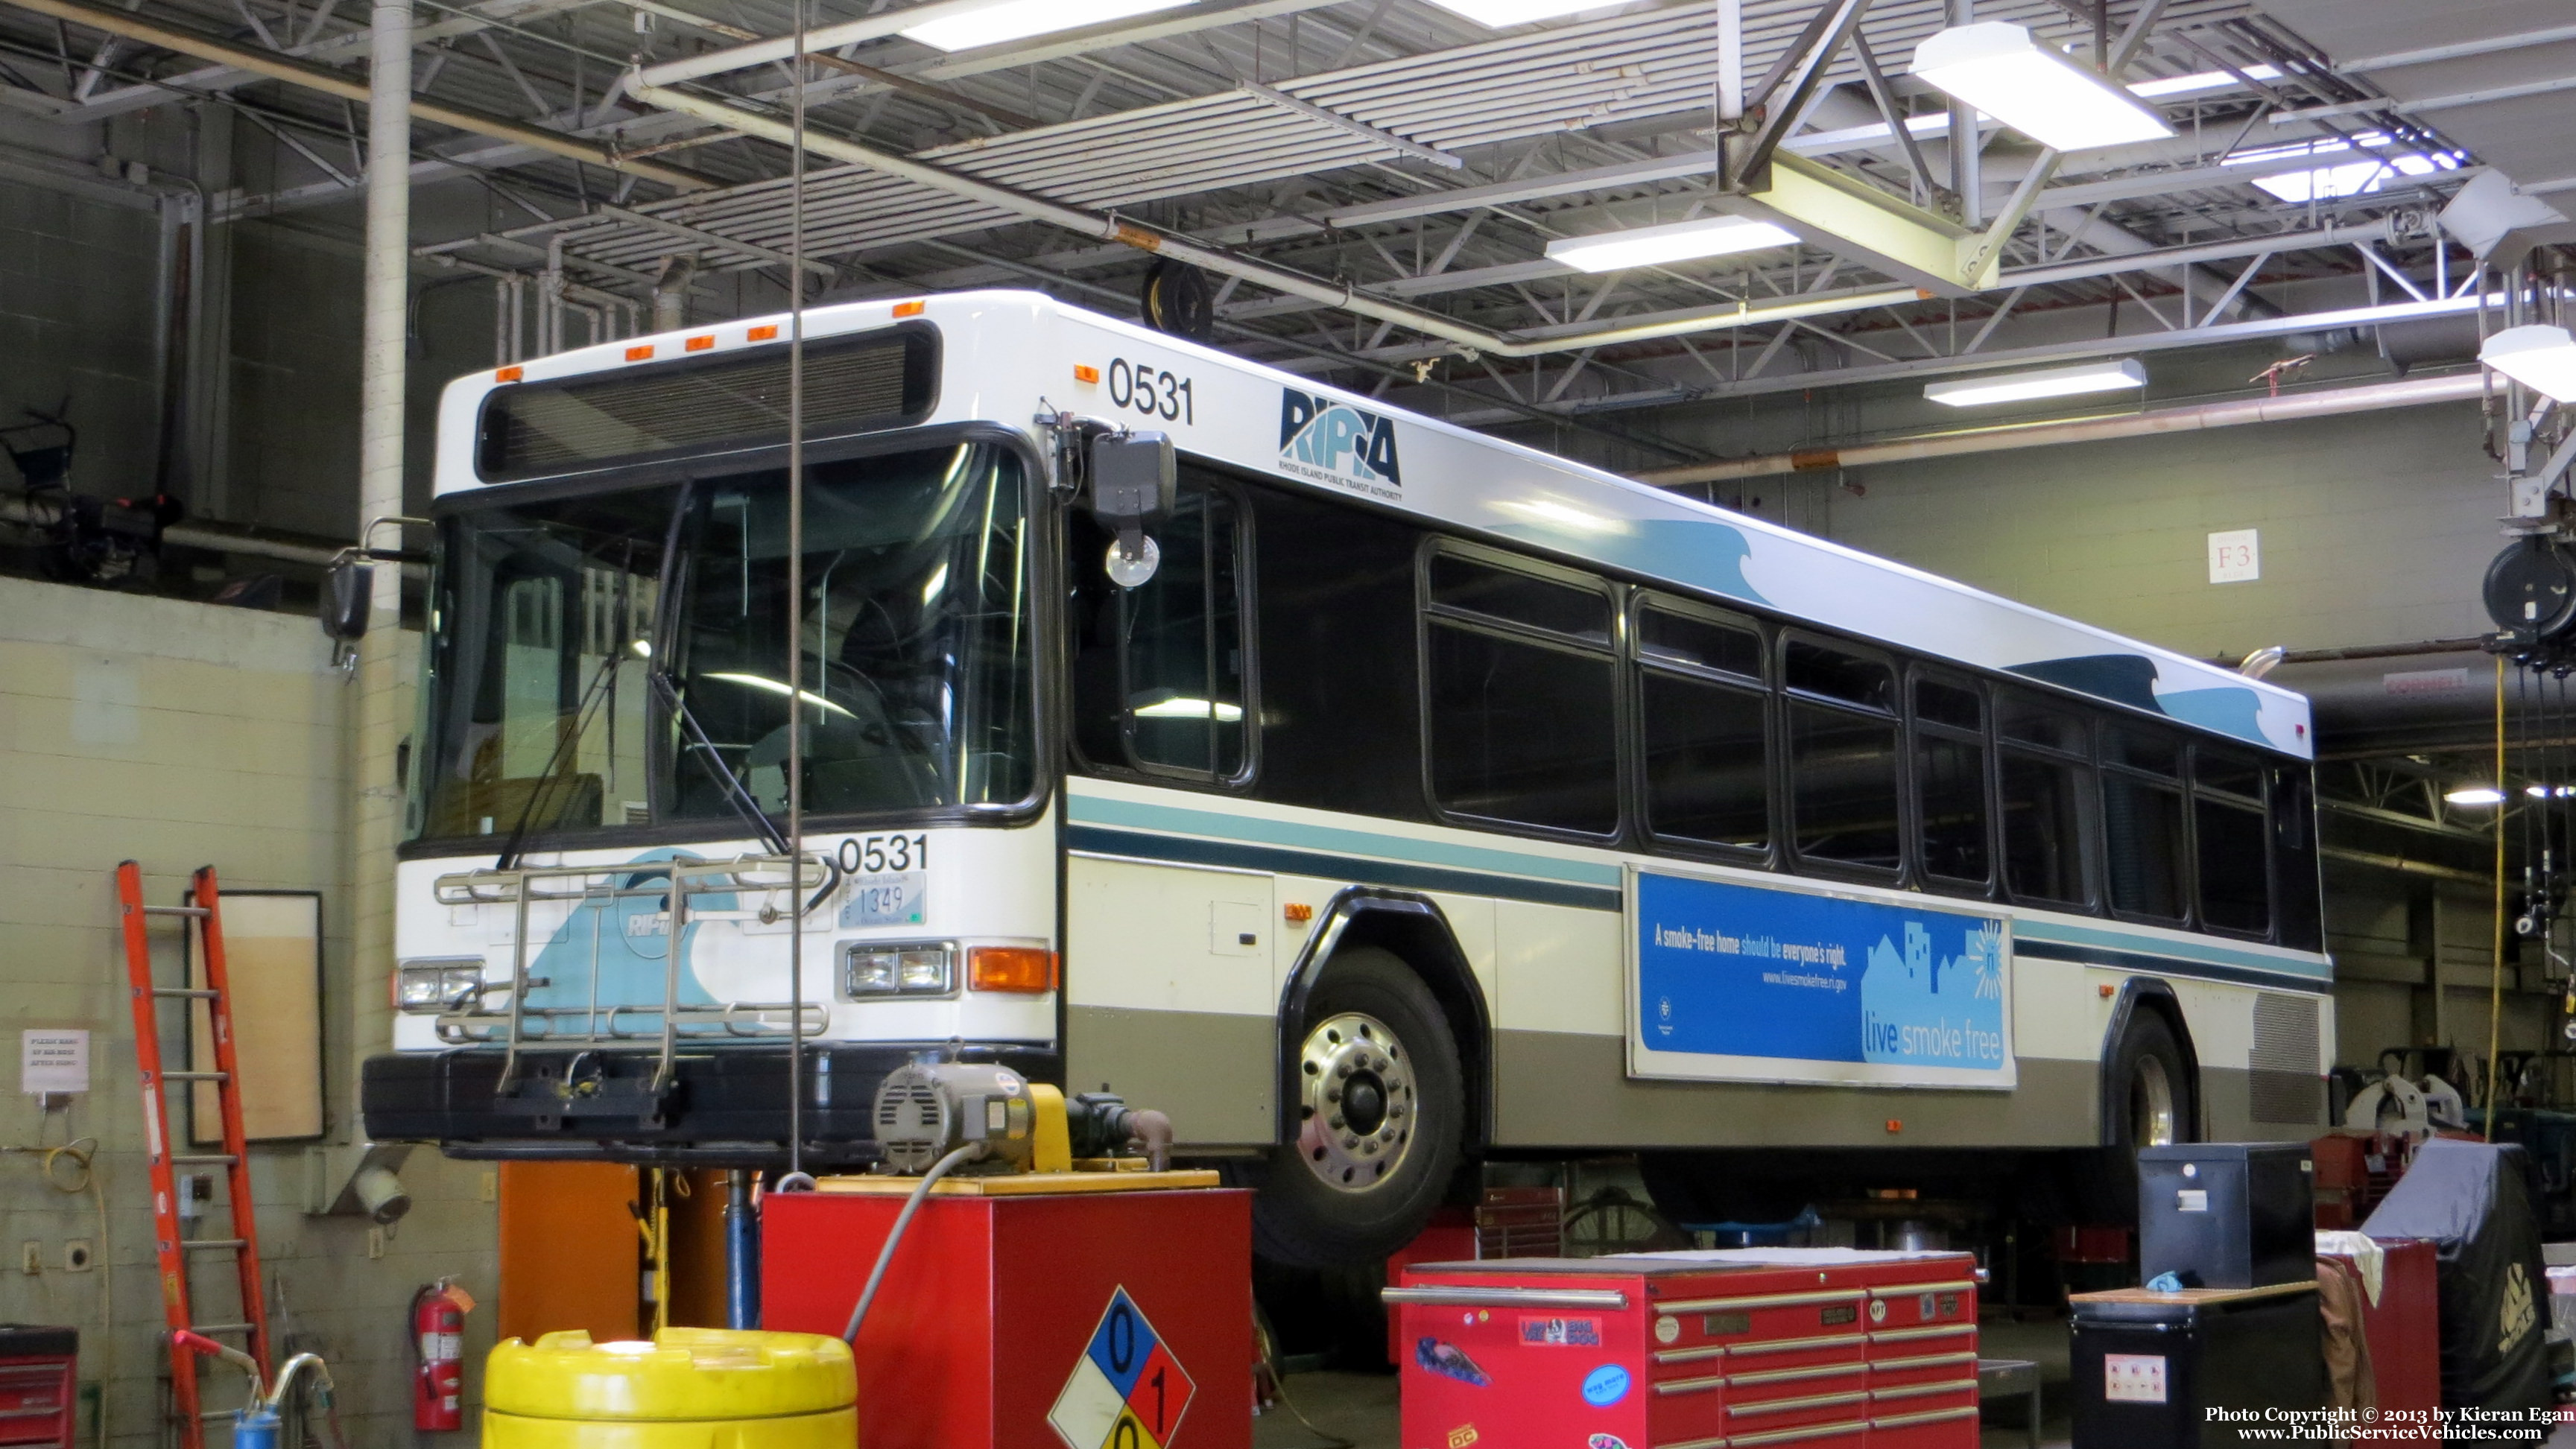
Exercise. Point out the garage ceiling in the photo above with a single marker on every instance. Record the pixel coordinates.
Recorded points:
(1400, 150)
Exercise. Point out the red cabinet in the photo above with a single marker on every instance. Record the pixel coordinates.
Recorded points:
(37, 1374)
(1825, 1348)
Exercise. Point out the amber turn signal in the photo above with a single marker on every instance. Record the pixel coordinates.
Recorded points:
(1024, 969)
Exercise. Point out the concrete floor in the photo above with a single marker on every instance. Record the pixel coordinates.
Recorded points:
(1362, 1407)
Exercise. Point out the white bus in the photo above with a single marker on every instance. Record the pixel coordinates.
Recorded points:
(1433, 799)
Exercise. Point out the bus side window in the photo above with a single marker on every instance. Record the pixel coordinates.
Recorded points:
(2142, 830)
(2297, 907)
(1843, 755)
(2047, 785)
(1950, 785)
(1522, 704)
(2229, 827)
(1178, 649)
(1707, 729)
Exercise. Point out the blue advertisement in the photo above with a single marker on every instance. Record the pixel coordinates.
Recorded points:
(1802, 987)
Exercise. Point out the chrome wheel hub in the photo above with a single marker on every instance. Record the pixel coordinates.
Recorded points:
(2151, 1105)
(1356, 1102)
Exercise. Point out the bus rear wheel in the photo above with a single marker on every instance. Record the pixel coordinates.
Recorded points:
(1378, 1111)
(2154, 1103)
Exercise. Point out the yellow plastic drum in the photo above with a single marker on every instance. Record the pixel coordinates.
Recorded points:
(690, 1388)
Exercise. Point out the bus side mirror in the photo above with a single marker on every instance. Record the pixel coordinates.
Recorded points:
(348, 594)
(1134, 483)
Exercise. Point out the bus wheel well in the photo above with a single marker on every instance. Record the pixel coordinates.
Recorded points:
(1413, 930)
(2143, 995)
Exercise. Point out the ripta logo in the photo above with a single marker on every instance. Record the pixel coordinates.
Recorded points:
(1333, 442)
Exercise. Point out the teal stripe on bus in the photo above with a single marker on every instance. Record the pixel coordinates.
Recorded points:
(1326, 839)
(2212, 952)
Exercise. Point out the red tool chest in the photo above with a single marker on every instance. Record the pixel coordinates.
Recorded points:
(37, 1402)
(1825, 1347)
(1015, 1317)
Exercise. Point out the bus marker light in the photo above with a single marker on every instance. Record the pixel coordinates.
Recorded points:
(510, 374)
(1027, 970)
(701, 344)
(1895, 1125)
(910, 309)
(1299, 912)
(638, 354)
(2105, 988)
(1085, 372)
(761, 334)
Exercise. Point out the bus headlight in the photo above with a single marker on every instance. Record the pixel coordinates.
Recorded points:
(425, 988)
(898, 970)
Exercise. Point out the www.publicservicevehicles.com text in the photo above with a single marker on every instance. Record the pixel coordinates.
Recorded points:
(2365, 1426)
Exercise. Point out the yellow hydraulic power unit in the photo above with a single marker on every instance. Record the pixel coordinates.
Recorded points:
(689, 1388)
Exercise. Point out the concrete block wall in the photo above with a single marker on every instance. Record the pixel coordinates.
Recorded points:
(180, 734)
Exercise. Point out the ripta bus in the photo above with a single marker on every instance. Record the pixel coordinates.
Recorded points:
(1370, 795)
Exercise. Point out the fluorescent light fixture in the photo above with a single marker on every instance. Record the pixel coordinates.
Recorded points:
(1497, 14)
(2002, 70)
(2200, 82)
(772, 686)
(2325, 183)
(1647, 246)
(2474, 795)
(1178, 707)
(2537, 355)
(1969, 392)
(1020, 19)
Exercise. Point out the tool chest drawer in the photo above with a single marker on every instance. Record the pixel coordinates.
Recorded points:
(1819, 1348)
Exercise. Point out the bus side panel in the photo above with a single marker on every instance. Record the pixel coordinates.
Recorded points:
(1170, 995)
(2262, 1059)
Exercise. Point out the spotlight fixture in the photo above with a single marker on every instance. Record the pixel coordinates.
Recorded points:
(2537, 355)
(1020, 19)
(1646, 246)
(2003, 70)
(1969, 392)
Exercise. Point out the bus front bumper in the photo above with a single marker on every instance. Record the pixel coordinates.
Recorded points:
(722, 1106)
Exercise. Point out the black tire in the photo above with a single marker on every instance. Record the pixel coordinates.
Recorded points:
(2155, 1100)
(1325, 1206)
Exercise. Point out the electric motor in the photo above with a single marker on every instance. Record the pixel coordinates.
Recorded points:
(924, 1112)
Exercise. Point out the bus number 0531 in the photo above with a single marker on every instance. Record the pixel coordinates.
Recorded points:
(876, 854)
(1151, 391)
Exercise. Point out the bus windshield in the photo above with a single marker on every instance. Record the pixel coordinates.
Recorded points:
(566, 693)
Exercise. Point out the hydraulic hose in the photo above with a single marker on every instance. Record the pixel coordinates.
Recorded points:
(902, 1220)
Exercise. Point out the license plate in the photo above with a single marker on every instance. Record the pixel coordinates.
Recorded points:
(887, 900)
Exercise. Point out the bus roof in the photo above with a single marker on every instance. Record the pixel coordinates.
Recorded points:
(1005, 356)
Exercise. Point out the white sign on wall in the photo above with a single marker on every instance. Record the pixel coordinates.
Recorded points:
(52, 1059)
(2235, 557)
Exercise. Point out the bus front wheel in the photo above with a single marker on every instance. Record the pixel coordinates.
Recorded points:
(2154, 1103)
(1378, 1106)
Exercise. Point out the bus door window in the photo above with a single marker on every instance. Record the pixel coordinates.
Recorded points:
(1950, 800)
(2142, 827)
(2230, 830)
(1843, 755)
(1522, 696)
(2045, 775)
(1159, 669)
(1706, 720)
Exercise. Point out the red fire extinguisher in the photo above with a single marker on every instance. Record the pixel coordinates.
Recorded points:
(438, 1346)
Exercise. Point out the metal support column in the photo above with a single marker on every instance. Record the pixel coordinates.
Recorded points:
(742, 1253)
(376, 810)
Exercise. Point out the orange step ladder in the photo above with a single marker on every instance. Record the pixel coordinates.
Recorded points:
(161, 1147)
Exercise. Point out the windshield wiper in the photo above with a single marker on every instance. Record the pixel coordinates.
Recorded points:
(566, 750)
(728, 783)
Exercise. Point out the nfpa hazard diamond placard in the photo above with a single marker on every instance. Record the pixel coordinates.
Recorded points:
(1126, 1391)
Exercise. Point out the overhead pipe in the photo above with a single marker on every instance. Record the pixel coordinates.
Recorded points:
(2413, 392)
(331, 82)
(1114, 228)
